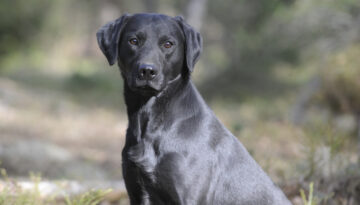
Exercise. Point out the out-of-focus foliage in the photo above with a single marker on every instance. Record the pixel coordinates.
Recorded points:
(264, 34)
(20, 23)
(283, 75)
(341, 81)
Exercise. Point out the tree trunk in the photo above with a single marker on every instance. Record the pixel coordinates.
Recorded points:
(358, 135)
(151, 6)
(195, 12)
(304, 97)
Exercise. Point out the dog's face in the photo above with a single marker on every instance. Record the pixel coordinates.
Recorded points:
(151, 49)
(151, 52)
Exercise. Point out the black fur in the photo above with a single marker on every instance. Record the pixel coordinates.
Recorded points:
(176, 151)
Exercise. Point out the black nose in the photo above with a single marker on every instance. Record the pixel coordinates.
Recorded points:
(147, 72)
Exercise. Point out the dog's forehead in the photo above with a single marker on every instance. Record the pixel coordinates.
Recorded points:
(156, 23)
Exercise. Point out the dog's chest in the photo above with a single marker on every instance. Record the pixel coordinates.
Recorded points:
(145, 152)
(145, 156)
(154, 152)
(153, 160)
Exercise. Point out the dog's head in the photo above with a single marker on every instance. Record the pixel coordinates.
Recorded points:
(151, 49)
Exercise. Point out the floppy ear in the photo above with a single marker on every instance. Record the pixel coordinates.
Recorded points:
(193, 43)
(108, 37)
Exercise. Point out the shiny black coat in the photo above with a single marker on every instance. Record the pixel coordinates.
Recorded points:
(176, 150)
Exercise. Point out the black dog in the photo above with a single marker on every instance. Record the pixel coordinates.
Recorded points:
(176, 151)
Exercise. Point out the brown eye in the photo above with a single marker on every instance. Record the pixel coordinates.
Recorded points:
(133, 41)
(168, 44)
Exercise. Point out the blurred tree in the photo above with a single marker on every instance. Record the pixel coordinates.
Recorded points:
(195, 12)
(151, 6)
(20, 23)
(341, 85)
(262, 34)
(252, 46)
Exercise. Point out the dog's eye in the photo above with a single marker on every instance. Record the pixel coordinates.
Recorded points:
(168, 44)
(133, 41)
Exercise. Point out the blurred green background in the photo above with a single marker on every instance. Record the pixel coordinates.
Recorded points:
(282, 75)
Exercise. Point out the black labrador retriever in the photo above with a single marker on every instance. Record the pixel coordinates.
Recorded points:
(176, 150)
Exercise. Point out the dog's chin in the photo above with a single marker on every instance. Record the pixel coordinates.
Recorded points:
(146, 90)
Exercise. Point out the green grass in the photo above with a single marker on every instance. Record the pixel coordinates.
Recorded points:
(13, 194)
(310, 200)
(33, 197)
(92, 197)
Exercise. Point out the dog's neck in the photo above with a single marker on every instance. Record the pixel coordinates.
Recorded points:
(156, 111)
(136, 102)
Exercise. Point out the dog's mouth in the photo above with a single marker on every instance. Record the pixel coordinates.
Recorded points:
(146, 89)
